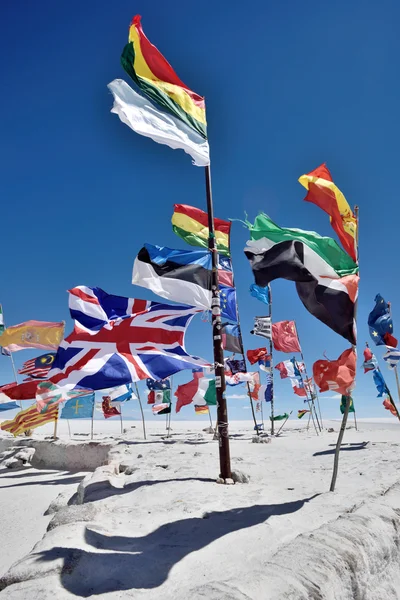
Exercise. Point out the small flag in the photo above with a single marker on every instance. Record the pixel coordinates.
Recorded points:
(78, 408)
(262, 327)
(161, 409)
(8, 406)
(230, 338)
(280, 417)
(380, 383)
(5, 352)
(191, 224)
(29, 419)
(392, 357)
(389, 406)
(261, 293)
(337, 375)
(256, 355)
(33, 334)
(159, 396)
(380, 323)
(201, 409)
(121, 393)
(298, 387)
(38, 367)
(108, 410)
(236, 366)
(343, 405)
(284, 337)
(18, 391)
(301, 413)
(50, 393)
(370, 363)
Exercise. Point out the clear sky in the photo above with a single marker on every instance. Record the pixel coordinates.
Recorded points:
(288, 85)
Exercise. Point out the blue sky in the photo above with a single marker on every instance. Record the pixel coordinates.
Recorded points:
(288, 86)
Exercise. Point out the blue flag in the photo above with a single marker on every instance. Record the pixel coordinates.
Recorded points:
(380, 322)
(261, 293)
(158, 385)
(228, 303)
(78, 408)
(8, 406)
(380, 383)
(269, 392)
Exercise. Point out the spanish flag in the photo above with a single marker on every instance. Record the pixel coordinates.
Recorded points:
(33, 334)
(191, 224)
(29, 419)
(325, 194)
(157, 79)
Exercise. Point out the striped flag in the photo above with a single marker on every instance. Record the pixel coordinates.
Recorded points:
(29, 419)
(163, 408)
(37, 368)
(392, 357)
(262, 327)
(301, 413)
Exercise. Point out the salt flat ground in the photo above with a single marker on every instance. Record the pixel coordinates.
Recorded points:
(167, 530)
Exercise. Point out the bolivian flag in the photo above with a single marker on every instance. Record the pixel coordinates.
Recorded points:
(157, 79)
(29, 419)
(325, 194)
(191, 224)
(43, 335)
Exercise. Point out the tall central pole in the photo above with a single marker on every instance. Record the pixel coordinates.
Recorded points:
(272, 367)
(222, 411)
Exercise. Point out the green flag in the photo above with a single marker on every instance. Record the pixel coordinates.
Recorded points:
(280, 417)
(211, 395)
(343, 405)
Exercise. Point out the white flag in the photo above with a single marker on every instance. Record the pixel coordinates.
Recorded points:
(142, 116)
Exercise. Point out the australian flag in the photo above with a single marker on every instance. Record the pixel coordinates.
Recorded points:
(158, 386)
(380, 323)
(120, 340)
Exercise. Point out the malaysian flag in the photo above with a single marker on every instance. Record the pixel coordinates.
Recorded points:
(37, 368)
(111, 346)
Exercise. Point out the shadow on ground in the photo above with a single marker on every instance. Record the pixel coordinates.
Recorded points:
(126, 563)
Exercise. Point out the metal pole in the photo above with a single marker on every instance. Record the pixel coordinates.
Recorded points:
(222, 411)
(12, 361)
(91, 425)
(141, 409)
(311, 407)
(209, 415)
(55, 427)
(120, 416)
(272, 370)
(283, 424)
(69, 428)
(355, 420)
(346, 412)
(309, 402)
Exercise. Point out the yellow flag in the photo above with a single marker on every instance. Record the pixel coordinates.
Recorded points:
(33, 334)
(29, 419)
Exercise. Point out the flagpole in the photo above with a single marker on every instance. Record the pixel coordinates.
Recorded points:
(272, 369)
(394, 367)
(120, 416)
(55, 426)
(388, 392)
(141, 409)
(12, 358)
(311, 406)
(211, 424)
(69, 428)
(347, 408)
(91, 425)
(283, 424)
(222, 411)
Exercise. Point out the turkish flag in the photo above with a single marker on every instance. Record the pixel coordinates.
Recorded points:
(336, 375)
(284, 337)
(256, 355)
(19, 391)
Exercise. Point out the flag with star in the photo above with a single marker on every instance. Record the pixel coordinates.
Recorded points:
(380, 323)
(228, 303)
(78, 408)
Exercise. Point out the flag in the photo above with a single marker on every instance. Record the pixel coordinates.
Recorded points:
(49, 393)
(380, 323)
(238, 378)
(279, 417)
(290, 368)
(148, 343)
(29, 419)
(38, 368)
(343, 404)
(8, 406)
(18, 391)
(262, 327)
(325, 194)
(265, 363)
(380, 383)
(254, 385)
(32, 334)
(182, 275)
(161, 384)
(337, 375)
(325, 276)
(159, 396)
(4, 352)
(236, 366)
(261, 293)
(370, 363)
(156, 78)
(146, 119)
(301, 413)
(197, 373)
(211, 393)
(284, 337)
(191, 224)
(109, 410)
(192, 391)
(392, 357)
(230, 338)
(256, 355)
(228, 303)
(161, 409)
(78, 408)
(266, 390)
(298, 387)
(121, 393)
(1, 320)
(388, 405)
(201, 409)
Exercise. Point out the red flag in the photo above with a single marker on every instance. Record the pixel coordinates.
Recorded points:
(284, 337)
(390, 340)
(108, 410)
(389, 406)
(20, 391)
(337, 375)
(186, 392)
(256, 355)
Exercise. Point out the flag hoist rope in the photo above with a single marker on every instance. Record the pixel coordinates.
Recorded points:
(220, 387)
(347, 408)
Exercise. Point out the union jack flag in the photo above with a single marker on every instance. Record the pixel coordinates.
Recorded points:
(120, 340)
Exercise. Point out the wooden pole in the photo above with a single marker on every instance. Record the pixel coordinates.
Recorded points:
(355, 419)
(141, 409)
(222, 410)
(55, 427)
(346, 411)
(283, 424)
(211, 424)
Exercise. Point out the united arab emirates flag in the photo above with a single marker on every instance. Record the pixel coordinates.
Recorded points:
(325, 276)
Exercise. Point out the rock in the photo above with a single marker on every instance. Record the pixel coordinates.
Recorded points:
(240, 477)
(197, 454)
(331, 430)
(101, 484)
(26, 454)
(58, 503)
(127, 468)
(208, 430)
(140, 455)
(220, 480)
(229, 481)
(13, 463)
(260, 440)
(73, 514)
(163, 466)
